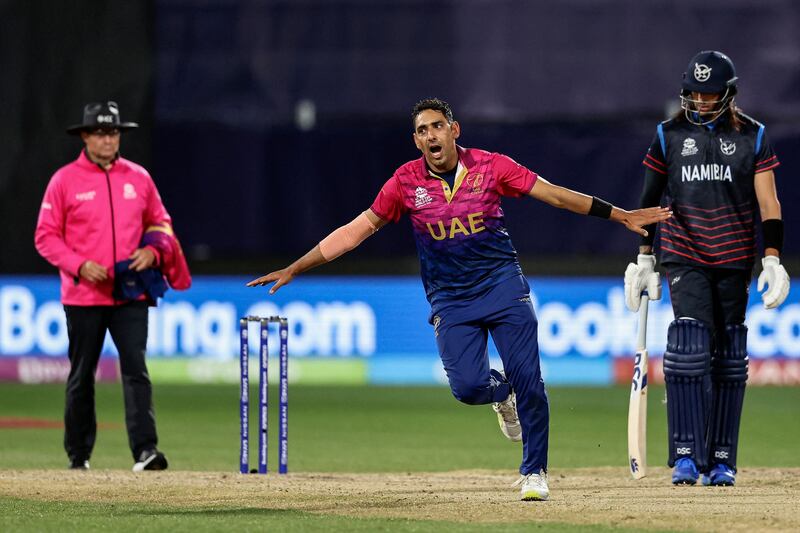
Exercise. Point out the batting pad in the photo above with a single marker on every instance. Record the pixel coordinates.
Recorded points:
(686, 373)
(729, 378)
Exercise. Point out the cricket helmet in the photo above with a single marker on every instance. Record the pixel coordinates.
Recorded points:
(708, 72)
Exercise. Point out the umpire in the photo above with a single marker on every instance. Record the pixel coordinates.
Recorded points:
(716, 167)
(92, 219)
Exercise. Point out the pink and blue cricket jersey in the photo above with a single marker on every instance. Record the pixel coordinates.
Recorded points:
(474, 283)
(461, 238)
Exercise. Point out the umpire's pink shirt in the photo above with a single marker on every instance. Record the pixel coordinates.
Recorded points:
(90, 214)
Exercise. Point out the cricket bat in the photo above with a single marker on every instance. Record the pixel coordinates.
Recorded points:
(637, 408)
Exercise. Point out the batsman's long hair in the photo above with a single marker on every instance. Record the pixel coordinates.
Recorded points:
(729, 120)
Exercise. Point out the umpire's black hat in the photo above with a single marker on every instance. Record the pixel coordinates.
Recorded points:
(101, 115)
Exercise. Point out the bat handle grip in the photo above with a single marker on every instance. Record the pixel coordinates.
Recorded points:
(641, 341)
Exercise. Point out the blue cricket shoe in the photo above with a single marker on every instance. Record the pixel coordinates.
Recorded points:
(721, 475)
(685, 472)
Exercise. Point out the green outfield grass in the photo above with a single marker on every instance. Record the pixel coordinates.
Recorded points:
(354, 429)
(123, 518)
(380, 429)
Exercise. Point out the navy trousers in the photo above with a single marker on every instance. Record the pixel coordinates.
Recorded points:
(462, 328)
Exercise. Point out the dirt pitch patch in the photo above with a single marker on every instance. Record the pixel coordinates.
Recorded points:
(766, 499)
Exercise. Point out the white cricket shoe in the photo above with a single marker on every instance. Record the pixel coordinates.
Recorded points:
(533, 487)
(150, 460)
(508, 418)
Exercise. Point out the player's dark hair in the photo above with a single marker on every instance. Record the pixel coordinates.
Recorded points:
(436, 105)
(729, 119)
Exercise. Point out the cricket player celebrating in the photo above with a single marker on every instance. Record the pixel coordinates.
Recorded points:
(470, 271)
(715, 165)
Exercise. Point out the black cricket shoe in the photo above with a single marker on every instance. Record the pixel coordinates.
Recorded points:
(150, 460)
(79, 464)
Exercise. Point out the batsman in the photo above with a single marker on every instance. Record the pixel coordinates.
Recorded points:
(715, 167)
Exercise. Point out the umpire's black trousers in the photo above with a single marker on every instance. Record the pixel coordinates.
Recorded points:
(86, 328)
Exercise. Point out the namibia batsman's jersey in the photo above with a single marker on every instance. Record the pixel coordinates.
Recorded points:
(461, 238)
(710, 186)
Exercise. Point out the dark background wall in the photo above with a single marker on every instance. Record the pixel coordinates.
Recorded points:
(225, 90)
(54, 57)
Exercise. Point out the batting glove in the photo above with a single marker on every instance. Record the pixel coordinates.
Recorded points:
(641, 277)
(774, 276)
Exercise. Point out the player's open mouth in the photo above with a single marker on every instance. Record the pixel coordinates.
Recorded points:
(436, 150)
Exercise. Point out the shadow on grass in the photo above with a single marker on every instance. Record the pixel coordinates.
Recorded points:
(222, 511)
(23, 515)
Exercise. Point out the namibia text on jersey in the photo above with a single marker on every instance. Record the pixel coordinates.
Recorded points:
(709, 172)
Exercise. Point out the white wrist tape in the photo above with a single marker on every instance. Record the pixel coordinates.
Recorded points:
(347, 237)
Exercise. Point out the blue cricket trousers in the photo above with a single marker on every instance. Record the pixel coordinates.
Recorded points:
(462, 328)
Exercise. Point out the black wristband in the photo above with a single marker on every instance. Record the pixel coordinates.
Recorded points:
(772, 231)
(649, 239)
(600, 208)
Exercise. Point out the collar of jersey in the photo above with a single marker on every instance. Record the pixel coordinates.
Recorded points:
(461, 172)
(711, 126)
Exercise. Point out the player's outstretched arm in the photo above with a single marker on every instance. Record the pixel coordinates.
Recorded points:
(340, 241)
(311, 259)
(588, 205)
